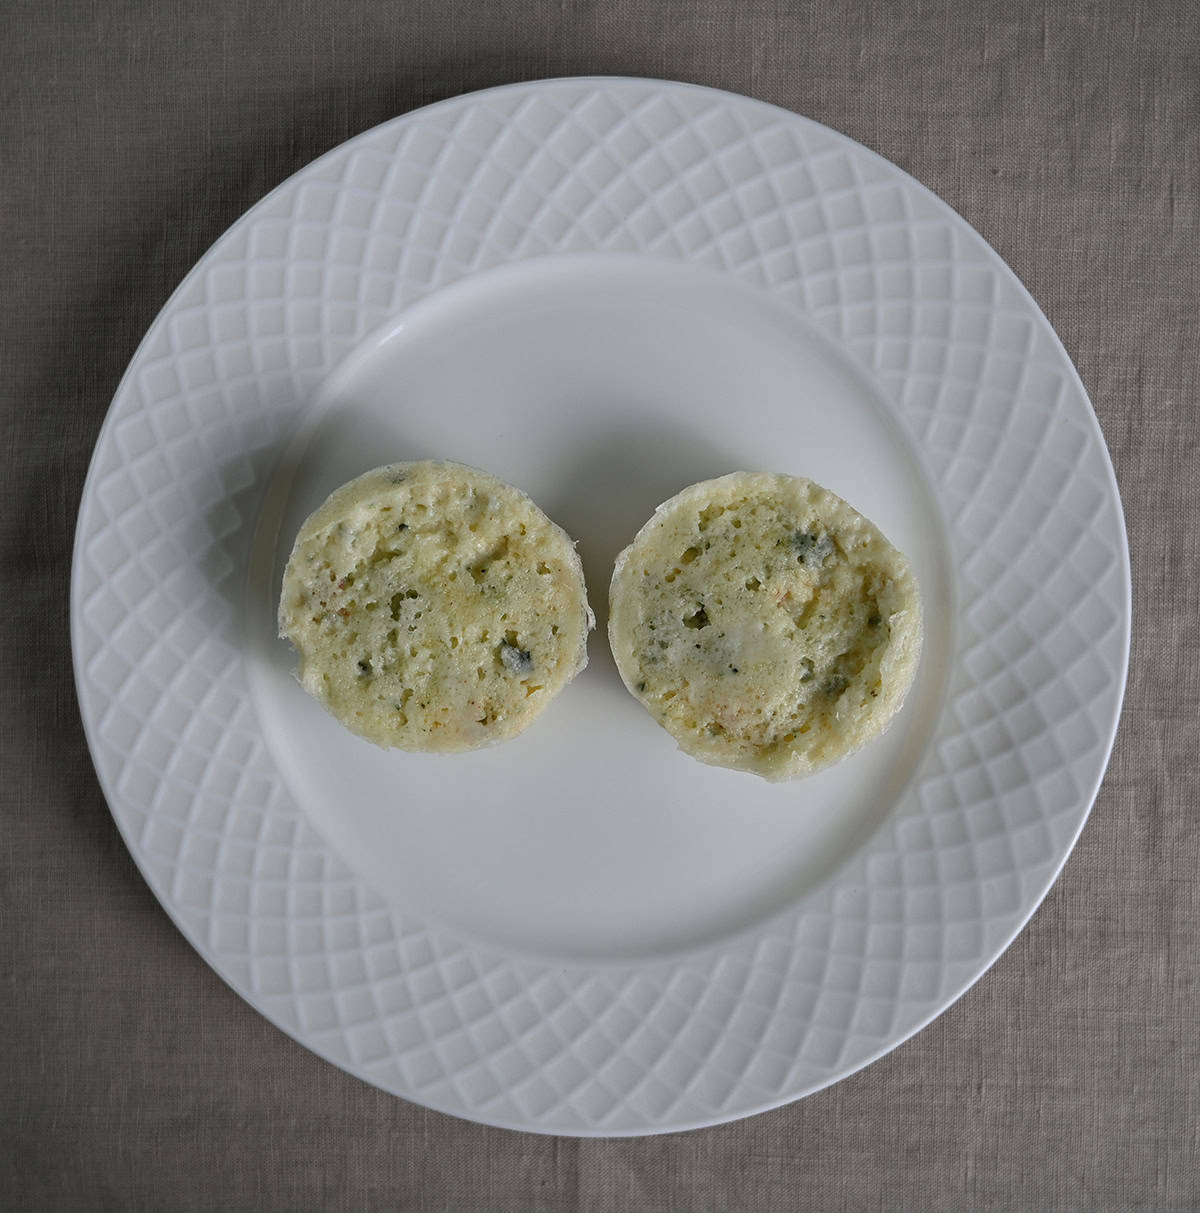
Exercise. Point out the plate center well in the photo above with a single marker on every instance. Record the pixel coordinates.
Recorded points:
(601, 386)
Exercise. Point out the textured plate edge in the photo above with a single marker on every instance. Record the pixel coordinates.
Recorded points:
(998, 265)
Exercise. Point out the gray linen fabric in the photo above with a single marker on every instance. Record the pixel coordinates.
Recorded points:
(132, 132)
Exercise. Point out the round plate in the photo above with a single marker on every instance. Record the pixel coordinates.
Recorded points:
(601, 291)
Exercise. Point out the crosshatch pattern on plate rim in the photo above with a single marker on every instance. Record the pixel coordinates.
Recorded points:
(975, 374)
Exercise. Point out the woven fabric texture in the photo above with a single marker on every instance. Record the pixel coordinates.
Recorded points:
(132, 134)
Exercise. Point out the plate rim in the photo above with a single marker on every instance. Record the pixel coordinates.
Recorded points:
(255, 211)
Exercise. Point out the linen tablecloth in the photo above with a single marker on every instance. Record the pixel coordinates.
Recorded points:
(132, 133)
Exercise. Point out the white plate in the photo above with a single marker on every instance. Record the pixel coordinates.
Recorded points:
(600, 290)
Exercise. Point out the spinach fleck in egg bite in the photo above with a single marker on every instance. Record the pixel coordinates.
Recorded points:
(765, 624)
(434, 607)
